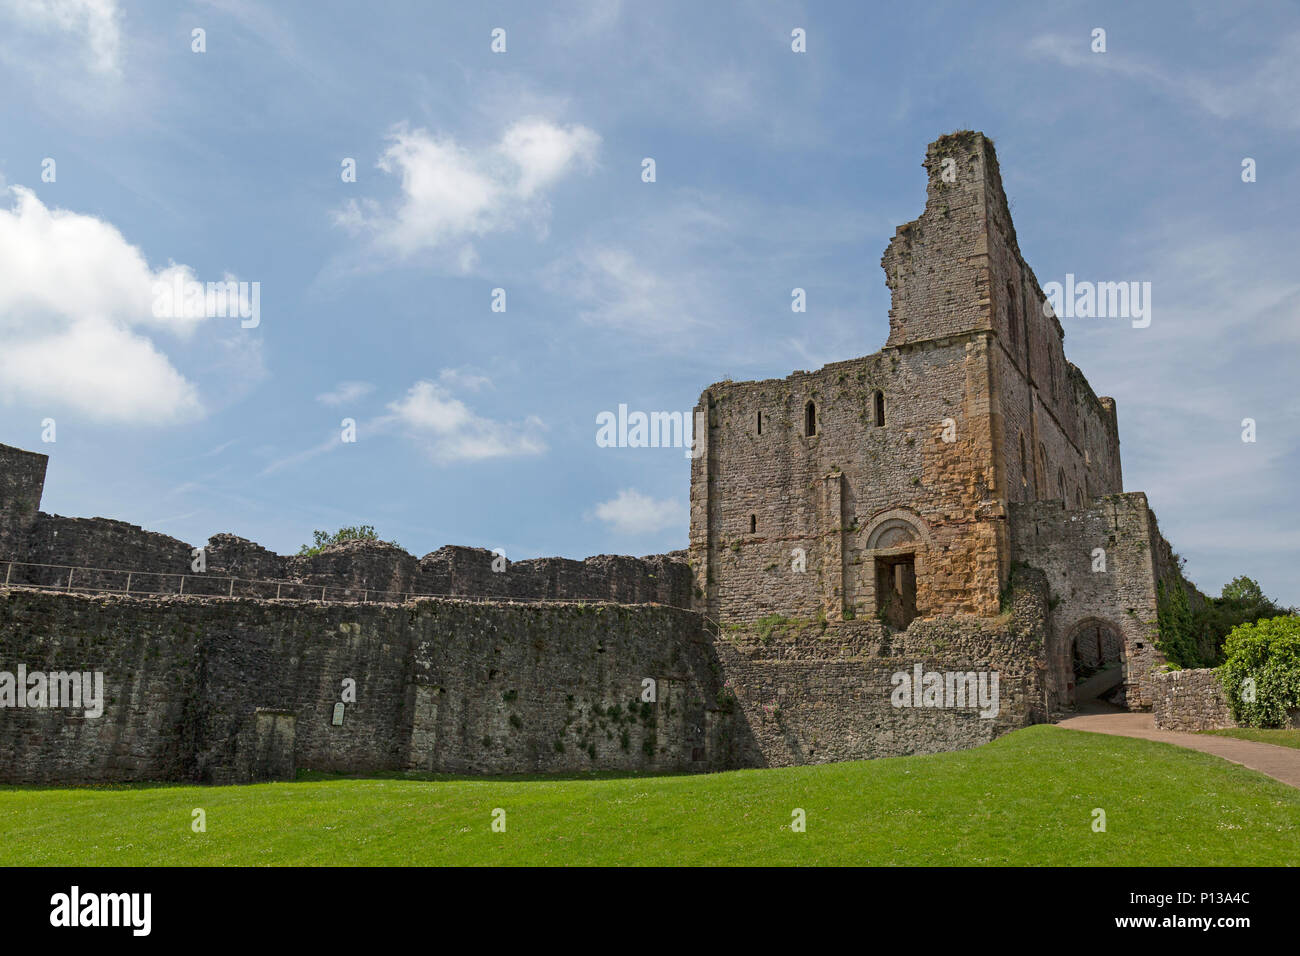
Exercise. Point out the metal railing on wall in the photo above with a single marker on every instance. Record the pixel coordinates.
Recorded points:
(136, 583)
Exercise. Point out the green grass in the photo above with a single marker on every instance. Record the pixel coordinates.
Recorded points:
(1285, 737)
(1026, 798)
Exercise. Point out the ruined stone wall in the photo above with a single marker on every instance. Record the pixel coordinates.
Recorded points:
(22, 481)
(1122, 596)
(815, 694)
(440, 686)
(101, 543)
(1190, 700)
(958, 268)
(1070, 436)
(936, 266)
(662, 579)
(764, 486)
(1044, 461)
(113, 555)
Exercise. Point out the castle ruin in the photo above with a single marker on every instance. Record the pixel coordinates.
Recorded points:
(951, 504)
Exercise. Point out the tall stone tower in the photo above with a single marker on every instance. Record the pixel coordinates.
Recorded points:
(878, 487)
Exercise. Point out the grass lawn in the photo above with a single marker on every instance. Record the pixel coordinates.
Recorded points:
(1284, 737)
(1027, 798)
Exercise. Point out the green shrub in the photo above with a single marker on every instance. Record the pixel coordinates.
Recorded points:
(323, 539)
(1267, 653)
(765, 625)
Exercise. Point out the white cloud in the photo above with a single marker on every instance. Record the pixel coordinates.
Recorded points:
(94, 22)
(543, 152)
(450, 431)
(631, 512)
(452, 195)
(100, 370)
(345, 392)
(74, 296)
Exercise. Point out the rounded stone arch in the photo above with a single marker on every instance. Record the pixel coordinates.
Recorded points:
(1094, 658)
(895, 528)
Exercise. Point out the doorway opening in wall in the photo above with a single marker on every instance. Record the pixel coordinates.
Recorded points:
(896, 590)
(1097, 662)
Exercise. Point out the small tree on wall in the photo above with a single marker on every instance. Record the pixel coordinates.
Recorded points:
(323, 539)
(1261, 676)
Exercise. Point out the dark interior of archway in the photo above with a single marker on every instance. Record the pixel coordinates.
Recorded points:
(896, 590)
(1098, 658)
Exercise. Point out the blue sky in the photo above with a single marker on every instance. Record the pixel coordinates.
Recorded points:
(522, 170)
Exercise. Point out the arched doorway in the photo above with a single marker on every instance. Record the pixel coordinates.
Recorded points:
(1097, 660)
(893, 559)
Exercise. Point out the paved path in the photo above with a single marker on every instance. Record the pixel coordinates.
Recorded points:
(1280, 763)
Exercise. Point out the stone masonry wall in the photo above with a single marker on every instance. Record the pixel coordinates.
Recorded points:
(1116, 589)
(764, 487)
(1190, 700)
(445, 686)
(815, 694)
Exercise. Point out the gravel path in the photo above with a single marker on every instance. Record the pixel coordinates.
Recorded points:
(1280, 763)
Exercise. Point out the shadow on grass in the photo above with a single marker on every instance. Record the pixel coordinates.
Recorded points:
(323, 776)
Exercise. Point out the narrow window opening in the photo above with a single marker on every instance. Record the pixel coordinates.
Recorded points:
(1024, 462)
(878, 401)
(760, 423)
(1013, 318)
(753, 523)
(810, 419)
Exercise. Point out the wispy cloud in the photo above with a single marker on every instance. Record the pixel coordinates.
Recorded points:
(441, 425)
(459, 378)
(345, 393)
(93, 23)
(621, 291)
(449, 431)
(1265, 92)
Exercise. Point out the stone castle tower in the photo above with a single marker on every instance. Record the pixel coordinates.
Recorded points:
(907, 484)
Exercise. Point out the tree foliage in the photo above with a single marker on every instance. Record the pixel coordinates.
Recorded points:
(1261, 675)
(323, 539)
(1192, 634)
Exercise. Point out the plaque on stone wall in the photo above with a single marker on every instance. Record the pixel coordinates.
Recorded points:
(338, 714)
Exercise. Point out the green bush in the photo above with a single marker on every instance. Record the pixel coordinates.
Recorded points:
(1268, 654)
(323, 539)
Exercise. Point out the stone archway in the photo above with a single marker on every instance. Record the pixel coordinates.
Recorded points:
(1097, 660)
(893, 558)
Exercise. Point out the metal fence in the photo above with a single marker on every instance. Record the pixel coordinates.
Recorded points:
(136, 583)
